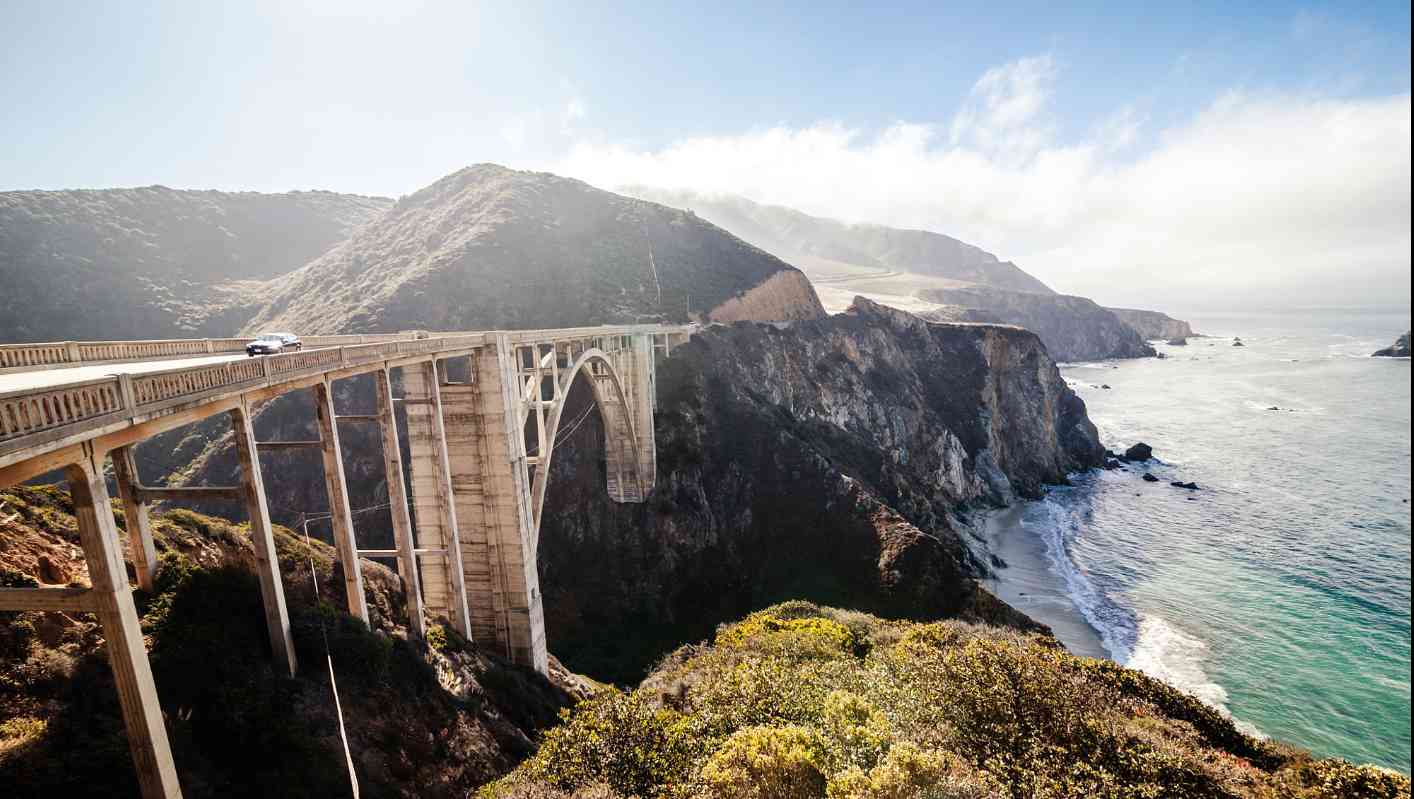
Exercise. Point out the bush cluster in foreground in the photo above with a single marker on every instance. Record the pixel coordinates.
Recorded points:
(799, 701)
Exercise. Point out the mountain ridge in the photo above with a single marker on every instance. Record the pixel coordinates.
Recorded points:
(155, 262)
(788, 232)
(492, 247)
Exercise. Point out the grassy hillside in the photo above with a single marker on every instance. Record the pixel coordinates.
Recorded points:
(155, 262)
(489, 247)
(422, 721)
(798, 237)
(799, 701)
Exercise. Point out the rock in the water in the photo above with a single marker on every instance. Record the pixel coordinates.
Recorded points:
(1149, 478)
(1139, 452)
(1399, 349)
(1181, 484)
(1237, 342)
(1178, 342)
(1105, 386)
(1113, 463)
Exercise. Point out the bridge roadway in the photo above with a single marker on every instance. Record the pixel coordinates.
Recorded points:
(465, 508)
(53, 378)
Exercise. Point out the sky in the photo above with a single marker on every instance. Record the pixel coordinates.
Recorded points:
(1208, 155)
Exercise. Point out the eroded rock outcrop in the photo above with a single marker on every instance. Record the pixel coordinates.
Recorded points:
(1073, 328)
(784, 296)
(1154, 325)
(824, 460)
(1399, 349)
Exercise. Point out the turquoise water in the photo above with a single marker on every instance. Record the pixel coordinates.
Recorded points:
(1281, 590)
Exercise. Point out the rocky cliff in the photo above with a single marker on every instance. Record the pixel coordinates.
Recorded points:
(1153, 325)
(1072, 328)
(489, 247)
(790, 233)
(155, 262)
(824, 460)
(1399, 349)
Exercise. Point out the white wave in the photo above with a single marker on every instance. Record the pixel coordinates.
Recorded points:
(1146, 642)
(1165, 652)
(1114, 624)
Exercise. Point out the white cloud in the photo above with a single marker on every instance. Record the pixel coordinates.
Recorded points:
(1004, 114)
(574, 111)
(1271, 198)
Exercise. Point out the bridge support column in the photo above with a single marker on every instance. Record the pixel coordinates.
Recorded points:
(443, 581)
(398, 504)
(135, 517)
(639, 371)
(492, 490)
(267, 563)
(137, 694)
(345, 541)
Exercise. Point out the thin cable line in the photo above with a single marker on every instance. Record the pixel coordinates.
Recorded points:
(329, 657)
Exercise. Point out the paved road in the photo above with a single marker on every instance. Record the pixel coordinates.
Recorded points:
(48, 378)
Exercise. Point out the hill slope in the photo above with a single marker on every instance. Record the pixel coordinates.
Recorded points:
(155, 262)
(489, 247)
(790, 233)
(422, 721)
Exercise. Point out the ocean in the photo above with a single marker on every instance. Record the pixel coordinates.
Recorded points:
(1279, 591)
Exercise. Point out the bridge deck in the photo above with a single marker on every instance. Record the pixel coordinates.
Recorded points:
(56, 378)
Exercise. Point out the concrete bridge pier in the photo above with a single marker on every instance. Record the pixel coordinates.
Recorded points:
(111, 599)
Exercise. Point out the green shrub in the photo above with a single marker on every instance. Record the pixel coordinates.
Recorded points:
(617, 740)
(768, 763)
(811, 637)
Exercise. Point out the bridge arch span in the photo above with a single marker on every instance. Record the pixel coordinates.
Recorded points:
(627, 473)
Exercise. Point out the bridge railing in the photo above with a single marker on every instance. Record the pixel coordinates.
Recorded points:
(36, 415)
(59, 354)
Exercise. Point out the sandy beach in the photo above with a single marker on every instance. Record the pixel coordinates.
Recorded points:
(1028, 584)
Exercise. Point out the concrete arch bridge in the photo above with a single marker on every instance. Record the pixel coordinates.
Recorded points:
(466, 506)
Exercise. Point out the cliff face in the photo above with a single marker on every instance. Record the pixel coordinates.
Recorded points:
(788, 233)
(1153, 325)
(825, 460)
(489, 247)
(784, 296)
(154, 262)
(1072, 328)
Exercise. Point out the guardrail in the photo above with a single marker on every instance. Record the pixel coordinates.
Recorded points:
(60, 354)
(35, 417)
(29, 413)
